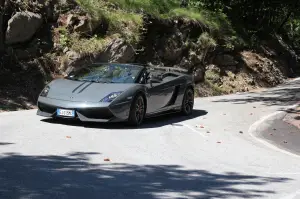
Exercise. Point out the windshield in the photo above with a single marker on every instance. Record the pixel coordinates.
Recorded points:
(107, 73)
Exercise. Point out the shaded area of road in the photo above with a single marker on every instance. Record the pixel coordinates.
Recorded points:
(283, 95)
(72, 176)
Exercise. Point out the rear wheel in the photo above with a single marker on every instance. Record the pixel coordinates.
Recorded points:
(188, 102)
(137, 111)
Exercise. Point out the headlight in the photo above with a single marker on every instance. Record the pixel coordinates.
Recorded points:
(45, 92)
(111, 97)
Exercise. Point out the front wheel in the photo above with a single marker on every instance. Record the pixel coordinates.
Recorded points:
(137, 111)
(188, 102)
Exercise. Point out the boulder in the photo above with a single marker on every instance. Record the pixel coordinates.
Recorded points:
(199, 75)
(82, 24)
(173, 47)
(22, 26)
(117, 51)
(71, 60)
(66, 20)
(23, 54)
(225, 60)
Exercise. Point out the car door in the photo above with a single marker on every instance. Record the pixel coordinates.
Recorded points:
(158, 96)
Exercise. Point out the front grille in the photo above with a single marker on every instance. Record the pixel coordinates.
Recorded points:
(46, 108)
(96, 113)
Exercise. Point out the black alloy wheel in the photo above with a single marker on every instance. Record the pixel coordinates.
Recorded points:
(188, 102)
(137, 111)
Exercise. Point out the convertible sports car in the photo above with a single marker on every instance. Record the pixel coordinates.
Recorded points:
(113, 92)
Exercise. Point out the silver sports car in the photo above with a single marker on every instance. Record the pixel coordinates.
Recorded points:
(112, 92)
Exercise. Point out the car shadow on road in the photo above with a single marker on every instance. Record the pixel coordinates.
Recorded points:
(5, 143)
(154, 122)
(74, 176)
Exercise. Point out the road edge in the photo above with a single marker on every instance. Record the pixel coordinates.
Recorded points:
(254, 132)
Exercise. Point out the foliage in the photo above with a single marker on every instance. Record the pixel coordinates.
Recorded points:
(126, 16)
(258, 16)
(154, 7)
(205, 41)
(127, 24)
(87, 45)
(293, 30)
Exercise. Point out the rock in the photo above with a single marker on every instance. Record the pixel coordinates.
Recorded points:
(66, 20)
(21, 21)
(173, 47)
(225, 60)
(70, 61)
(117, 51)
(33, 49)
(213, 68)
(72, 56)
(66, 49)
(199, 75)
(185, 63)
(22, 54)
(195, 58)
(82, 24)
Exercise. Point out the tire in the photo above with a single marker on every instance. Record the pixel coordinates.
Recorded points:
(187, 102)
(137, 111)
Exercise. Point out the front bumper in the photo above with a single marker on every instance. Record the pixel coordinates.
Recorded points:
(85, 111)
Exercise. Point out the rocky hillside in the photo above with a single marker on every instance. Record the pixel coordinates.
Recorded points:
(45, 39)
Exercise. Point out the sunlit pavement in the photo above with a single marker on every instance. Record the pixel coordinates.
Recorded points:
(209, 155)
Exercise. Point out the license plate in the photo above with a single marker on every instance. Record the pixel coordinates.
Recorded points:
(66, 113)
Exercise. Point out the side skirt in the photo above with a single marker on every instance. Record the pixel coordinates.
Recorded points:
(166, 112)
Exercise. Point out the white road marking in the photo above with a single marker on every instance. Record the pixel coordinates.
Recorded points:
(254, 126)
(194, 130)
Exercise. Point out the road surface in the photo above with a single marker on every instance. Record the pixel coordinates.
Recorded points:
(210, 155)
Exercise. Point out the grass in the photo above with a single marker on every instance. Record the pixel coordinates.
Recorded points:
(154, 7)
(126, 24)
(96, 8)
(212, 75)
(125, 17)
(88, 45)
(160, 8)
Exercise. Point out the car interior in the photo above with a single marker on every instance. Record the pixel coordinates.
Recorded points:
(159, 76)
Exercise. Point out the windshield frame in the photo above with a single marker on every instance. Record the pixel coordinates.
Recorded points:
(135, 80)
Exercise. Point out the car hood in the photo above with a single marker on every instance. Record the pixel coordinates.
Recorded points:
(70, 90)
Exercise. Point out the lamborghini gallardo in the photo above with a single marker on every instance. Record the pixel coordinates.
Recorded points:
(114, 92)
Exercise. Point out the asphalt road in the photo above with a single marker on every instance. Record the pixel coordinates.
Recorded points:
(283, 135)
(168, 157)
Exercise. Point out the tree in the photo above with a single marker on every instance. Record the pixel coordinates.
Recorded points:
(184, 3)
(291, 11)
